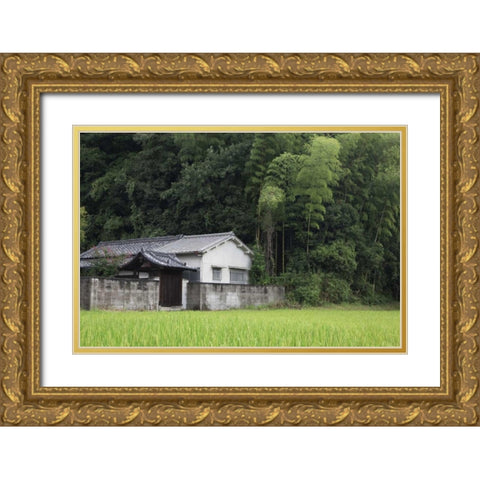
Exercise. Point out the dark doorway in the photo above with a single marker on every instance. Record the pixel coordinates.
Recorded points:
(171, 288)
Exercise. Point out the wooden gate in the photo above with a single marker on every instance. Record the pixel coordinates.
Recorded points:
(170, 288)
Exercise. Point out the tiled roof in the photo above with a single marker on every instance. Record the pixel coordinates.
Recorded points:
(156, 259)
(173, 244)
(195, 243)
(115, 248)
(85, 263)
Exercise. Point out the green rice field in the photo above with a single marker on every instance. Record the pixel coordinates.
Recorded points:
(320, 327)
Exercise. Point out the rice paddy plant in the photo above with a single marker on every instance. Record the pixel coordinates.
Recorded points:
(241, 328)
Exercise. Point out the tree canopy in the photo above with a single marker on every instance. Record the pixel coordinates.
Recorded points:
(321, 211)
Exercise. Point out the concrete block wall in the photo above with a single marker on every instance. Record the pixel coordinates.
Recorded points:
(118, 294)
(217, 296)
(135, 294)
(85, 292)
(193, 296)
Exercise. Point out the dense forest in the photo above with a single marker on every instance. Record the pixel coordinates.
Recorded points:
(320, 211)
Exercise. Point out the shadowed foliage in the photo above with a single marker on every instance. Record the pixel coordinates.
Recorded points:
(322, 211)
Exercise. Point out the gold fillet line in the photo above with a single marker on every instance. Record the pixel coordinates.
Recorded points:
(195, 88)
(236, 128)
(34, 178)
(242, 391)
(445, 226)
(76, 238)
(77, 349)
(237, 350)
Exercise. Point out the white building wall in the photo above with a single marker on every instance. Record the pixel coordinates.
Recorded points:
(192, 260)
(184, 293)
(225, 256)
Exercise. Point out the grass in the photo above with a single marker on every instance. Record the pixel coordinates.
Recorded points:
(321, 327)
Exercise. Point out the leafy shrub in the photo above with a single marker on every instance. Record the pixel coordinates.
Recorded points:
(308, 293)
(106, 266)
(258, 272)
(338, 257)
(335, 290)
(315, 289)
(366, 293)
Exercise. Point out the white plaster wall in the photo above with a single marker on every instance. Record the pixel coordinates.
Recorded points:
(184, 293)
(226, 255)
(191, 259)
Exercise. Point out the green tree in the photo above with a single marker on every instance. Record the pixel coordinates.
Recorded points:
(258, 272)
(103, 184)
(282, 173)
(209, 194)
(83, 227)
(320, 171)
(324, 209)
(367, 209)
(271, 207)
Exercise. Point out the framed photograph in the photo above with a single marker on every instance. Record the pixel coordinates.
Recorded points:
(239, 239)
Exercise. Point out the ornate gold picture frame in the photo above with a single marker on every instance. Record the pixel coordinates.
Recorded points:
(23, 80)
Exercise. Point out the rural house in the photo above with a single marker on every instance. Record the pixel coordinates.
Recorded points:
(189, 271)
(214, 257)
